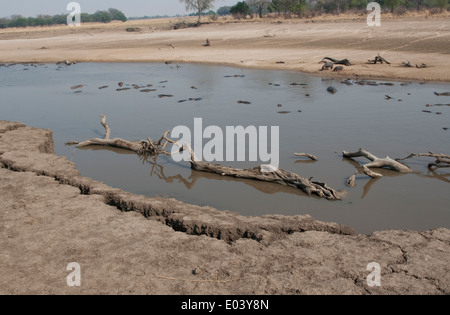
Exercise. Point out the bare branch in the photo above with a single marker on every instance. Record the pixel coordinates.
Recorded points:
(378, 162)
(107, 129)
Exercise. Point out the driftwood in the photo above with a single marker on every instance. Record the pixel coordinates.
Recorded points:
(149, 148)
(371, 173)
(442, 160)
(351, 182)
(265, 173)
(380, 60)
(307, 155)
(280, 177)
(344, 62)
(378, 162)
(422, 66)
(409, 65)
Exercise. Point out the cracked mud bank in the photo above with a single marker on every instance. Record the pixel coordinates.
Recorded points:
(51, 216)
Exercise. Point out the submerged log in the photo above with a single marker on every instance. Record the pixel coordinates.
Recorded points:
(265, 173)
(280, 177)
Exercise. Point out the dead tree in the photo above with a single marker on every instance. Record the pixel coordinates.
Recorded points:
(380, 60)
(149, 148)
(344, 62)
(377, 162)
(265, 173)
(280, 177)
(143, 148)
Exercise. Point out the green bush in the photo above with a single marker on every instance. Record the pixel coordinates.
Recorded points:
(240, 10)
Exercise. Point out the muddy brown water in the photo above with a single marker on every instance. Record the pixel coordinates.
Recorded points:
(310, 119)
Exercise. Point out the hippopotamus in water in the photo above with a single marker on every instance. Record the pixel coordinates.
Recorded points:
(332, 90)
(327, 66)
(442, 94)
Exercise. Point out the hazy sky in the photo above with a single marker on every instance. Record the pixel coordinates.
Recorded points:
(129, 7)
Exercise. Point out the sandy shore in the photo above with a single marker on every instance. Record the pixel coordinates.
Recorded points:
(299, 45)
(51, 216)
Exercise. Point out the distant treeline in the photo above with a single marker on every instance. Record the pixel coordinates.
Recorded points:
(45, 20)
(289, 8)
(153, 17)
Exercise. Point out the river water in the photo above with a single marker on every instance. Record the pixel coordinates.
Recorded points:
(309, 119)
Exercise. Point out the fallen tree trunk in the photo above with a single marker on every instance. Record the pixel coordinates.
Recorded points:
(266, 173)
(149, 148)
(280, 177)
(379, 162)
(344, 62)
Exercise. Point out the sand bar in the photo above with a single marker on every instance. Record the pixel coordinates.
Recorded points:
(297, 45)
